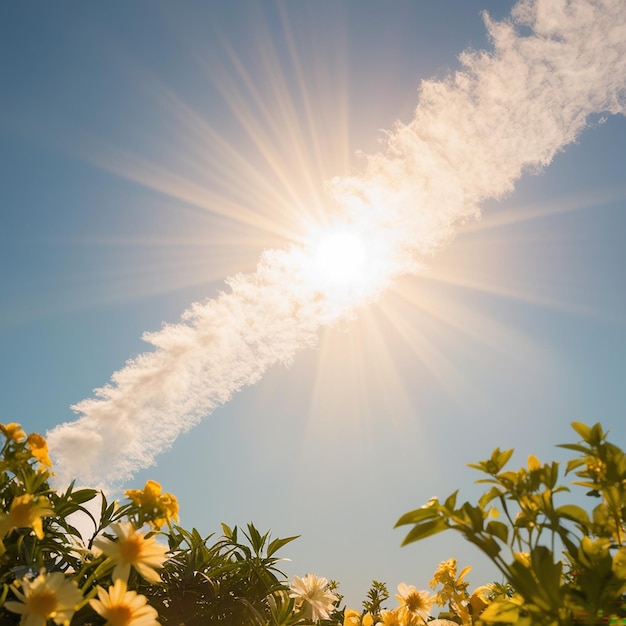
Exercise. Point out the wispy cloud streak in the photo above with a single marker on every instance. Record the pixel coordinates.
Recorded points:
(507, 111)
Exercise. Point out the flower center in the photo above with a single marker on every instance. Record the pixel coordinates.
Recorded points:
(121, 615)
(43, 603)
(414, 602)
(130, 549)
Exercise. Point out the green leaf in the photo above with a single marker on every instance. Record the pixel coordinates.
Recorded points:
(256, 540)
(425, 529)
(490, 495)
(549, 575)
(418, 515)
(475, 515)
(582, 429)
(552, 475)
(502, 612)
(450, 502)
(72, 530)
(504, 457)
(596, 435)
(277, 544)
(499, 530)
(574, 513)
(494, 464)
(83, 495)
(486, 543)
(575, 447)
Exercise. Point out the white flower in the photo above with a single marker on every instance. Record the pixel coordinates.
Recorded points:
(415, 603)
(313, 596)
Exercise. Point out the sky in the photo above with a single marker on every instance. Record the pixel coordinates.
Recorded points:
(166, 169)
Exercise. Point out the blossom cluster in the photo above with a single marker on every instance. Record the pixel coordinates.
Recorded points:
(415, 607)
(48, 573)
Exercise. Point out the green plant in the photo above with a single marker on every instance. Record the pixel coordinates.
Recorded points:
(230, 581)
(125, 570)
(567, 565)
(376, 597)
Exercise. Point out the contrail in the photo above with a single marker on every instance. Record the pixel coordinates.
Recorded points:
(507, 111)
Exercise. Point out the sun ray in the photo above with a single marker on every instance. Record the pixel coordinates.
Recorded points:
(537, 211)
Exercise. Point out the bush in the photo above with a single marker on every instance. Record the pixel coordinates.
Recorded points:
(566, 565)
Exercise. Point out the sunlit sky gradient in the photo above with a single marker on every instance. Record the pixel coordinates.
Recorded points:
(150, 150)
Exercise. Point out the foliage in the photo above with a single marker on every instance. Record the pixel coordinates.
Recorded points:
(52, 572)
(376, 597)
(566, 564)
(228, 581)
(73, 558)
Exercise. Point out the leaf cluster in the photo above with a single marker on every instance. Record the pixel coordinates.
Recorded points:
(566, 564)
(234, 580)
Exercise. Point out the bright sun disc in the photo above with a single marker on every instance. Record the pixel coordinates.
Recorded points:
(345, 265)
(339, 258)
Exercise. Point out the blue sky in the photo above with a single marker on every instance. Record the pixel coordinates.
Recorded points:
(149, 150)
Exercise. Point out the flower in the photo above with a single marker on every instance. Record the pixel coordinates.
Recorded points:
(445, 573)
(392, 618)
(353, 618)
(132, 548)
(454, 589)
(159, 507)
(313, 596)
(416, 603)
(367, 620)
(39, 449)
(25, 512)
(13, 431)
(49, 596)
(120, 607)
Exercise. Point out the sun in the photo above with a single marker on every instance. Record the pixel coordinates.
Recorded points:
(344, 266)
(339, 258)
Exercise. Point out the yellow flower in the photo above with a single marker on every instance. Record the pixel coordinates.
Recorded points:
(159, 507)
(353, 618)
(392, 618)
(13, 431)
(453, 589)
(416, 603)
(39, 449)
(120, 607)
(445, 573)
(132, 548)
(49, 596)
(25, 512)
(368, 620)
